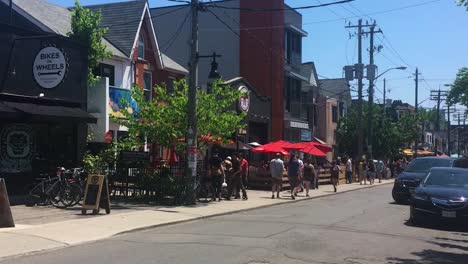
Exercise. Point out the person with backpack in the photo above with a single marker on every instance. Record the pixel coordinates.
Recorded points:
(335, 171)
(217, 175)
(309, 176)
(293, 175)
(371, 171)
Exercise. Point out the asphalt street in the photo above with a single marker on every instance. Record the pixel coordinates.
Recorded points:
(361, 226)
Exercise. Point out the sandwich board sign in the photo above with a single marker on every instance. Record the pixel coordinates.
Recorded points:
(96, 194)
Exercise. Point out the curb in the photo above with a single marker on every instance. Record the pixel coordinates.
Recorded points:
(242, 210)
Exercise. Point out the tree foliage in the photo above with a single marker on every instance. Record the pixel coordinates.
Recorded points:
(463, 3)
(459, 89)
(85, 29)
(389, 136)
(164, 119)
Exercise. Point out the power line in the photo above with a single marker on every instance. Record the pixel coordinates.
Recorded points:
(176, 34)
(281, 9)
(151, 17)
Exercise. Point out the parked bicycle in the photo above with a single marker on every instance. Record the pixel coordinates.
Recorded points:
(60, 191)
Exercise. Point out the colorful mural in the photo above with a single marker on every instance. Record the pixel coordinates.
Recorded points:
(115, 104)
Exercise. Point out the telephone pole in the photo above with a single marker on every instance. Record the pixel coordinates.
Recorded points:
(458, 136)
(416, 80)
(384, 98)
(191, 170)
(437, 95)
(358, 70)
(449, 148)
(371, 76)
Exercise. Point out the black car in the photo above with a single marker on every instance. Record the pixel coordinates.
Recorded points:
(413, 174)
(442, 194)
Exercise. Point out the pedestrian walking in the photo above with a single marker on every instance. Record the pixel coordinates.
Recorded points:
(309, 176)
(380, 170)
(236, 178)
(362, 172)
(217, 175)
(349, 171)
(244, 173)
(335, 171)
(293, 175)
(300, 184)
(371, 171)
(276, 169)
(227, 165)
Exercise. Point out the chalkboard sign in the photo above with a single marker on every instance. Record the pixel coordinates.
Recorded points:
(96, 194)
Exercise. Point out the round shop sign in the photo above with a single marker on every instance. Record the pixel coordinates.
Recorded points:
(49, 67)
(244, 101)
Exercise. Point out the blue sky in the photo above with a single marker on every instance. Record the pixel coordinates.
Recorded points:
(431, 36)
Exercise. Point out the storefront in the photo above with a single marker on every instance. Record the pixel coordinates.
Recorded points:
(297, 131)
(258, 108)
(43, 117)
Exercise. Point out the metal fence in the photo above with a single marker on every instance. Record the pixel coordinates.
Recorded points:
(151, 182)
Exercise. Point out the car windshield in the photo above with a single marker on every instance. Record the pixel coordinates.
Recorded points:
(422, 165)
(447, 178)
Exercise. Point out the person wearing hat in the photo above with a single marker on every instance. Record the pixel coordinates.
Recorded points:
(227, 165)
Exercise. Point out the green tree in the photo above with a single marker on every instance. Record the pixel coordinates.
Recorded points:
(85, 28)
(388, 135)
(164, 118)
(459, 89)
(463, 3)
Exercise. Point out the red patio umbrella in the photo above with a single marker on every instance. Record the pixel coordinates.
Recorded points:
(286, 145)
(270, 148)
(321, 147)
(314, 151)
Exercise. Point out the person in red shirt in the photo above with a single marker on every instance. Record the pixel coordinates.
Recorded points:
(244, 173)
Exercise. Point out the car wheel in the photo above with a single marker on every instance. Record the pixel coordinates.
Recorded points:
(397, 198)
(415, 217)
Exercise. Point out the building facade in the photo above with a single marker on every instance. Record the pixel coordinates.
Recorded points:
(264, 48)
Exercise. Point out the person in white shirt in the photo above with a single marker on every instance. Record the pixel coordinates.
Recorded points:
(276, 169)
(349, 171)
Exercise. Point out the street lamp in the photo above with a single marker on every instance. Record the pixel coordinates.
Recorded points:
(395, 68)
(371, 96)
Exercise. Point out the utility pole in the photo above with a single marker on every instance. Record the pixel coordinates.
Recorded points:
(458, 136)
(449, 148)
(371, 69)
(358, 70)
(384, 97)
(192, 151)
(416, 110)
(437, 95)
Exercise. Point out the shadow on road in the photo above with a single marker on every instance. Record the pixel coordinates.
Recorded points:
(429, 256)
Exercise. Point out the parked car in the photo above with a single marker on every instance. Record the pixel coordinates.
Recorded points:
(442, 194)
(413, 174)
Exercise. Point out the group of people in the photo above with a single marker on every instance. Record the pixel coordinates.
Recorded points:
(300, 174)
(369, 170)
(231, 172)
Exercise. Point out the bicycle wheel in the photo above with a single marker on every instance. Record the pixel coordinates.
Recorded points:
(205, 193)
(71, 195)
(54, 194)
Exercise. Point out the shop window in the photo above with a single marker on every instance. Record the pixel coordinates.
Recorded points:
(105, 70)
(147, 87)
(141, 47)
(334, 114)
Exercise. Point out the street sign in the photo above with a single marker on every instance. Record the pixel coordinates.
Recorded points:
(96, 194)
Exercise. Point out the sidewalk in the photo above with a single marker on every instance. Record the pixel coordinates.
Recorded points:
(38, 228)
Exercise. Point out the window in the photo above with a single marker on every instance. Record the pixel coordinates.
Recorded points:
(141, 48)
(334, 114)
(315, 115)
(147, 86)
(292, 93)
(105, 70)
(292, 44)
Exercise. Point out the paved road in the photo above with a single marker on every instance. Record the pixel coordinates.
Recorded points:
(356, 227)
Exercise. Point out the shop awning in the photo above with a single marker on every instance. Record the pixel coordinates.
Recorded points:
(8, 112)
(49, 111)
